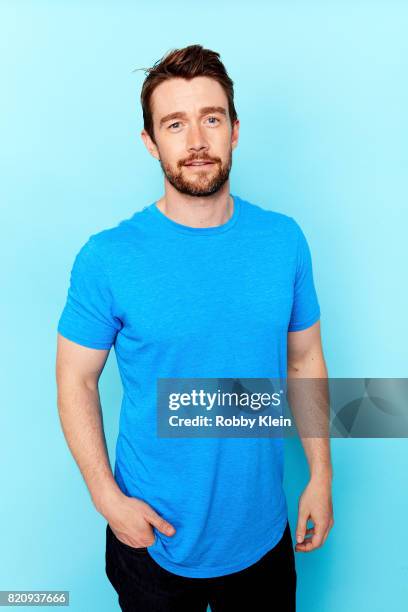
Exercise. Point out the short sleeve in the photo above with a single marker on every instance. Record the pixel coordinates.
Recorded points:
(305, 308)
(87, 315)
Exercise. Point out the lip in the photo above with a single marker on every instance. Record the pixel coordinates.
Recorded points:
(197, 164)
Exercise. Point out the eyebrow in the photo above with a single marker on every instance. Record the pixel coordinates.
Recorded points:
(203, 111)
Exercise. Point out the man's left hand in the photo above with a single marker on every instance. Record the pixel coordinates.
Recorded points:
(315, 504)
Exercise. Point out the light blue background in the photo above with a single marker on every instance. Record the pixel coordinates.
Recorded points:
(321, 92)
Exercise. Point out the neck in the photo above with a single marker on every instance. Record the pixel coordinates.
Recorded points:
(209, 211)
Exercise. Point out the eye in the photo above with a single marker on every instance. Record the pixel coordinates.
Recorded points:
(175, 123)
(216, 119)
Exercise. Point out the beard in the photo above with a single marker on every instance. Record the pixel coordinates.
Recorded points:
(203, 182)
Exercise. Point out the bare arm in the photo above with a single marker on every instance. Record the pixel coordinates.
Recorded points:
(78, 370)
(306, 360)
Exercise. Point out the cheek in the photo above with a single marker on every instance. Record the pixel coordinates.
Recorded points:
(221, 143)
(172, 152)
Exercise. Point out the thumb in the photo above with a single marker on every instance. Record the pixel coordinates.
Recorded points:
(301, 527)
(159, 522)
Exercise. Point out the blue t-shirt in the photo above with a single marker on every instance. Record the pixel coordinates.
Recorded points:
(183, 302)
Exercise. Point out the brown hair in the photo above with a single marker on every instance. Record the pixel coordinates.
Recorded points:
(187, 63)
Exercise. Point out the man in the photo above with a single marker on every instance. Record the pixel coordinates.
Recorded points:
(201, 284)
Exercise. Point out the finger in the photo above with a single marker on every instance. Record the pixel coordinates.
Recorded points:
(315, 541)
(309, 532)
(160, 523)
(317, 537)
(305, 546)
(138, 542)
(301, 527)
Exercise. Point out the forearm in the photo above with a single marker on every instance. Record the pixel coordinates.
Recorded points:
(308, 396)
(82, 423)
(317, 451)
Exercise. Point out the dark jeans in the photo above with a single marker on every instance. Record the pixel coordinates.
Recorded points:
(143, 585)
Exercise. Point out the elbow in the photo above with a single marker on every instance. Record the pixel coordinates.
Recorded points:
(310, 365)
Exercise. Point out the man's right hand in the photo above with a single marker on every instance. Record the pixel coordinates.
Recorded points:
(132, 521)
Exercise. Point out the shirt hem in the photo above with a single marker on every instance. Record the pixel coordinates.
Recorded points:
(83, 342)
(305, 324)
(213, 572)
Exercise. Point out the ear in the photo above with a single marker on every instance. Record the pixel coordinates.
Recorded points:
(149, 144)
(235, 134)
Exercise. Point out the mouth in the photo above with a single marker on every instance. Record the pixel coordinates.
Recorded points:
(199, 163)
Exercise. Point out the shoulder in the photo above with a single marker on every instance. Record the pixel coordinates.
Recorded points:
(114, 240)
(258, 216)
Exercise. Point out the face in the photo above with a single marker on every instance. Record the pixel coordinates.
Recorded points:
(193, 132)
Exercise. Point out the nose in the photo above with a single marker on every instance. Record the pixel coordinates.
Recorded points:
(196, 140)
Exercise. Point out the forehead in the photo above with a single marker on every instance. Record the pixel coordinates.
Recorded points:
(182, 95)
